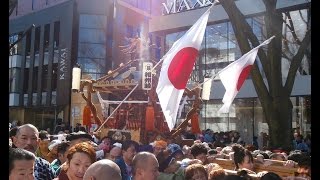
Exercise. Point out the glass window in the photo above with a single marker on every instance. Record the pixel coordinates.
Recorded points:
(92, 65)
(158, 47)
(35, 79)
(92, 50)
(14, 80)
(17, 48)
(299, 21)
(171, 38)
(46, 37)
(37, 40)
(25, 82)
(92, 35)
(301, 114)
(54, 77)
(93, 21)
(44, 78)
(54, 98)
(217, 42)
(56, 34)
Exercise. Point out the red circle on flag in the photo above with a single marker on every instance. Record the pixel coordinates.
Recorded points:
(243, 76)
(181, 67)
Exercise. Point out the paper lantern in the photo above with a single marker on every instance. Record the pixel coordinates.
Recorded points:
(149, 126)
(86, 117)
(195, 129)
(76, 76)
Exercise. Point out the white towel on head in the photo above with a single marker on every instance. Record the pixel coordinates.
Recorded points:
(54, 143)
(118, 144)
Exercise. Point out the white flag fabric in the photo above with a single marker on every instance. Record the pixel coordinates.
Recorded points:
(176, 69)
(234, 75)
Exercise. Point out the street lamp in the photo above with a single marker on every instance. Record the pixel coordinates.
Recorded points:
(76, 78)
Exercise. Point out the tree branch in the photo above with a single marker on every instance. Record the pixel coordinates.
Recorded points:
(296, 61)
(291, 27)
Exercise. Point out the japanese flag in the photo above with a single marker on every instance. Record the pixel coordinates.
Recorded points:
(176, 69)
(234, 75)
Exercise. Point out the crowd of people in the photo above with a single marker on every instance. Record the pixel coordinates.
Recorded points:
(35, 154)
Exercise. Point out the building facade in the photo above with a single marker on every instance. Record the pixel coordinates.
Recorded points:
(65, 32)
(39, 65)
(172, 18)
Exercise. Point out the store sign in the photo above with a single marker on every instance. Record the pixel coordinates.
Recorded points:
(63, 63)
(147, 75)
(176, 6)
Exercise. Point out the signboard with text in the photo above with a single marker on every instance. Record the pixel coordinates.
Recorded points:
(147, 75)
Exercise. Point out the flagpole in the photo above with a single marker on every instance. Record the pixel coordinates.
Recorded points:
(157, 64)
(215, 75)
(213, 4)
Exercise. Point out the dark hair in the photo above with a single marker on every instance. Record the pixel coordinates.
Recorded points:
(301, 158)
(234, 177)
(13, 131)
(62, 147)
(164, 157)
(270, 176)
(212, 152)
(19, 154)
(106, 137)
(128, 143)
(43, 135)
(295, 156)
(198, 148)
(239, 154)
(265, 155)
(243, 174)
(77, 135)
(81, 128)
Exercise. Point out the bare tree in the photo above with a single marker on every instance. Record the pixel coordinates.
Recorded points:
(274, 95)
